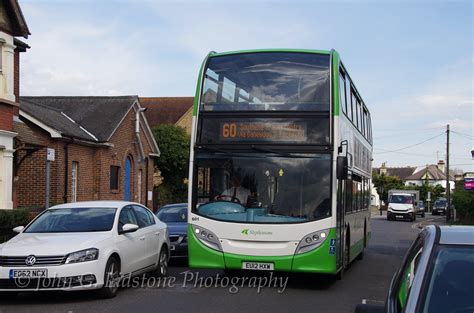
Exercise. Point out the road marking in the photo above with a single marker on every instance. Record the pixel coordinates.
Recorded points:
(419, 224)
(364, 301)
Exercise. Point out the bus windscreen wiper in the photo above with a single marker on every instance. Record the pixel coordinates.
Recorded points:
(269, 151)
(212, 149)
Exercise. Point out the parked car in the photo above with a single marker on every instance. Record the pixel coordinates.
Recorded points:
(421, 208)
(439, 207)
(176, 217)
(436, 275)
(84, 245)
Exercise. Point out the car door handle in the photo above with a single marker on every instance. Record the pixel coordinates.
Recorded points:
(142, 238)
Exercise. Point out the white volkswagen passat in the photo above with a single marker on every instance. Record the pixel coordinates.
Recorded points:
(84, 245)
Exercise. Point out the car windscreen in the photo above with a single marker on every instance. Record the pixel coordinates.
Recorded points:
(406, 199)
(451, 281)
(440, 203)
(68, 220)
(173, 214)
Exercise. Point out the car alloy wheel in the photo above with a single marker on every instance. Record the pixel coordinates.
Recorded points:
(163, 262)
(111, 279)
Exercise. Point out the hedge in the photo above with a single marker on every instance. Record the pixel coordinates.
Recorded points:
(463, 200)
(13, 218)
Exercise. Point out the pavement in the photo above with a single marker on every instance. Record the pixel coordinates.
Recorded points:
(205, 290)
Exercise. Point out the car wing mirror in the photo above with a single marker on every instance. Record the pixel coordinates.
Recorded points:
(129, 228)
(18, 229)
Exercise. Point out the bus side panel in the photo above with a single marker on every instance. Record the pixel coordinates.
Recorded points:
(356, 224)
(201, 256)
(355, 219)
(320, 260)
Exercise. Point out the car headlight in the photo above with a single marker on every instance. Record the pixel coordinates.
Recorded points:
(207, 237)
(312, 241)
(82, 256)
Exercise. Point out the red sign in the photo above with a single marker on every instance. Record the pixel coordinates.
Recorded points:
(469, 183)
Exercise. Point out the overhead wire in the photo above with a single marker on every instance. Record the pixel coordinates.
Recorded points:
(463, 135)
(410, 146)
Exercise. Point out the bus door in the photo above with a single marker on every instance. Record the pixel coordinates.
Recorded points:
(340, 213)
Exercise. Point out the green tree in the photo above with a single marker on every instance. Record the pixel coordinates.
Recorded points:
(436, 191)
(385, 183)
(173, 163)
(463, 201)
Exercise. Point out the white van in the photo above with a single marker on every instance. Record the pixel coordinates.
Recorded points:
(402, 204)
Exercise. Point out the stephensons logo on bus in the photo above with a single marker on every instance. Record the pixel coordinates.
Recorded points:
(255, 232)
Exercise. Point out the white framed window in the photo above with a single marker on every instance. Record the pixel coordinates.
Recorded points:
(74, 179)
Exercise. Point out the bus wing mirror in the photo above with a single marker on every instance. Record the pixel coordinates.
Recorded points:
(342, 167)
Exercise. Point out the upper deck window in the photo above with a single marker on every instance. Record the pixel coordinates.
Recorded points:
(267, 81)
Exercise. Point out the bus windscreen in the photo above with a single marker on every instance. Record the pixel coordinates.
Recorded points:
(270, 81)
(259, 188)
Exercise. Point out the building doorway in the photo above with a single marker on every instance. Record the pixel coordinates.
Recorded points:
(128, 180)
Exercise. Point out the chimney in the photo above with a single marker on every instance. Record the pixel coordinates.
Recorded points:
(441, 166)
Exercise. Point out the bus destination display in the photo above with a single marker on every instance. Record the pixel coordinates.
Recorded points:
(261, 131)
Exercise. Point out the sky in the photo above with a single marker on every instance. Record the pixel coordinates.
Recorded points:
(412, 61)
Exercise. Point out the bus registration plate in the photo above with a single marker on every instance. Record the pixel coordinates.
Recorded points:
(257, 266)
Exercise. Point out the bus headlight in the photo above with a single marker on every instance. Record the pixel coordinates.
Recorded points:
(312, 241)
(207, 237)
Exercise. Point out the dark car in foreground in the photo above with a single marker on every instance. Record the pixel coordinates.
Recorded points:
(436, 276)
(176, 218)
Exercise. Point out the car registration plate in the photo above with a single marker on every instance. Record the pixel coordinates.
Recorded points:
(399, 216)
(33, 273)
(257, 266)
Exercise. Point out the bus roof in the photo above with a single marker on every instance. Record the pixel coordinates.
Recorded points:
(217, 54)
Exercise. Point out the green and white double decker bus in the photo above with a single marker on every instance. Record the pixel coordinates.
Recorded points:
(280, 163)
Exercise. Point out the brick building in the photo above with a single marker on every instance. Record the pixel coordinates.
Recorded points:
(103, 150)
(169, 111)
(12, 24)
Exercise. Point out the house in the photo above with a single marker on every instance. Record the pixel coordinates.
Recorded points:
(12, 25)
(169, 111)
(401, 172)
(431, 174)
(83, 148)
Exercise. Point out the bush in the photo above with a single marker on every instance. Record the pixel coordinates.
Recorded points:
(166, 194)
(463, 201)
(10, 219)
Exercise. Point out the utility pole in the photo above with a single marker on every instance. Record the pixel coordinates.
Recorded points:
(448, 187)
